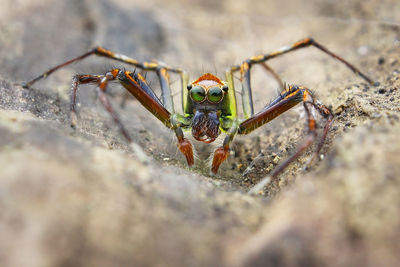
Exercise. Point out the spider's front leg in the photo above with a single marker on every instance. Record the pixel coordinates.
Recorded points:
(138, 87)
(290, 97)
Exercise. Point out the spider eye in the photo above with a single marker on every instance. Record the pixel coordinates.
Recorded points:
(198, 94)
(214, 94)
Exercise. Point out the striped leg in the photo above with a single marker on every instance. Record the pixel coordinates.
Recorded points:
(305, 43)
(138, 87)
(245, 68)
(160, 68)
(289, 98)
(103, 52)
(76, 81)
(102, 82)
(247, 98)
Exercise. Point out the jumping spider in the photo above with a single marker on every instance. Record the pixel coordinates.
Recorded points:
(208, 103)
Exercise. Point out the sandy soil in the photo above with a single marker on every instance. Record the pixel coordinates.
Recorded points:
(72, 197)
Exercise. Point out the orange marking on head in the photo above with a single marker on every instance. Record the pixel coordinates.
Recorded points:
(208, 77)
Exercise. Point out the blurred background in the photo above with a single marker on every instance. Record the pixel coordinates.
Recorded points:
(84, 198)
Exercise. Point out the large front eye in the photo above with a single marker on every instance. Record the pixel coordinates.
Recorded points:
(215, 94)
(198, 94)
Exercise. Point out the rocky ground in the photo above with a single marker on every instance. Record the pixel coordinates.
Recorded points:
(83, 197)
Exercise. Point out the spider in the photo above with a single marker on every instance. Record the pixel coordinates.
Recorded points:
(208, 103)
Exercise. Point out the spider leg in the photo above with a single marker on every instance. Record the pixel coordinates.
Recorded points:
(229, 122)
(101, 89)
(247, 98)
(160, 68)
(80, 79)
(305, 43)
(126, 94)
(222, 152)
(245, 67)
(274, 74)
(326, 113)
(290, 97)
(137, 86)
(102, 83)
(103, 52)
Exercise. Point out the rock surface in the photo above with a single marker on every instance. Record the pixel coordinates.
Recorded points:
(83, 197)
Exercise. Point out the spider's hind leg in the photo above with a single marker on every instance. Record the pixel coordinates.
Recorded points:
(162, 109)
